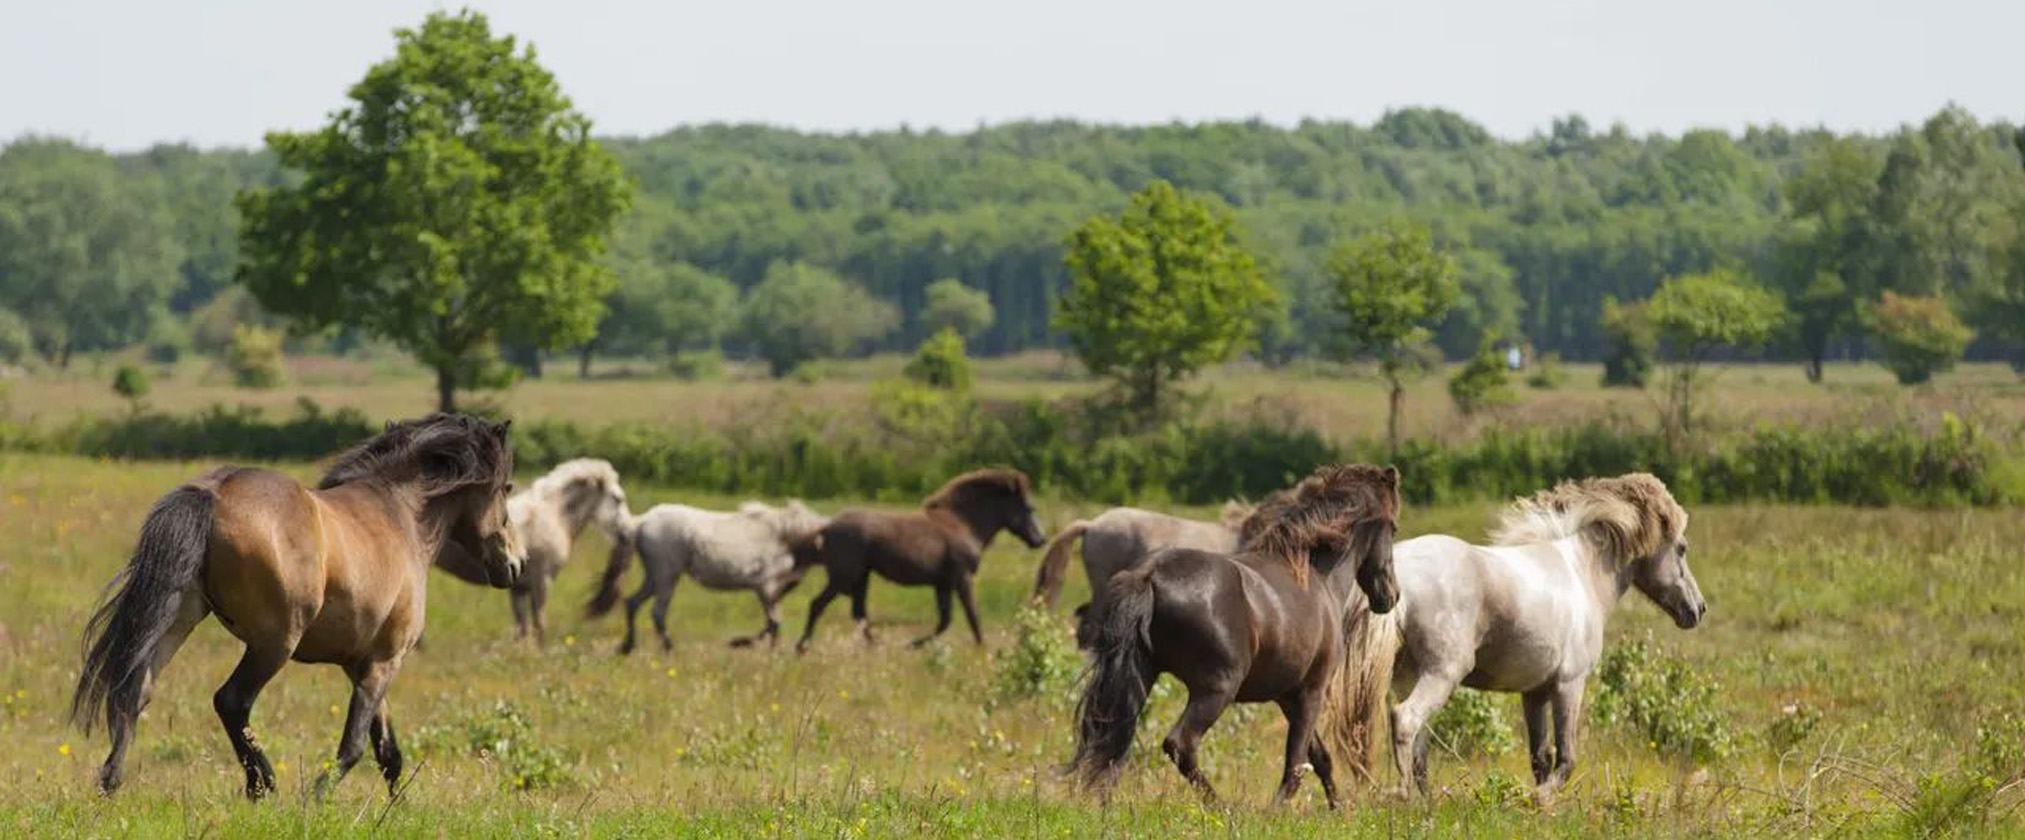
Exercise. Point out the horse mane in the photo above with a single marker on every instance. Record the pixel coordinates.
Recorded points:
(1319, 513)
(1235, 513)
(956, 491)
(598, 470)
(1624, 518)
(442, 452)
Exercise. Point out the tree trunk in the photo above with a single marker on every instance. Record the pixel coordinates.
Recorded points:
(584, 359)
(1814, 365)
(63, 357)
(1396, 400)
(446, 389)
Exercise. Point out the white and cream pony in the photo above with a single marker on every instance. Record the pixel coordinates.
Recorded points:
(548, 517)
(1526, 614)
(745, 549)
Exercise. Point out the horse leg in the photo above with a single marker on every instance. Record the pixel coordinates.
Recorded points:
(1409, 727)
(1537, 744)
(121, 729)
(766, 601)
(1325, 771)
(537, 602)
(858, 609)
(519, 598)
(965, 596)
(816, 607)
(234, 704)
(386, 750)
(1300, 708)
(662, 598)
(942, 596)
(1203, 708)
(771, 603)
(633, 604)
(369, 691)
(1567, 704)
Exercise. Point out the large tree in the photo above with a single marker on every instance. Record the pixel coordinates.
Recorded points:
(1391, 285)
(802, 312)
(1824, 247)
(950, 305)
(87, 257)
(1159, 291)
(458, 198)
(1695, 315)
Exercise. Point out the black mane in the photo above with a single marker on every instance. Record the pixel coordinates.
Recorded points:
(442, 452)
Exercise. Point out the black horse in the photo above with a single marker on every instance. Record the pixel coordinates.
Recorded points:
(1248, 627)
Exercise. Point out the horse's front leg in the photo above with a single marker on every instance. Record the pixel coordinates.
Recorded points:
(1300, 708)
(1409, 727)
(234, 704)
(1567, 703)
(1538, 744)
(942, 613)
(968, 598)
(369, 690)
(386, 749)
(767, 602)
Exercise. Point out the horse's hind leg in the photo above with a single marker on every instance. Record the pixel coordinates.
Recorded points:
(816, 607)
(662, 598)
(1203, 708)
(369, 692)
(520, 599)
(1538, 747)
(1567, 705)
(1300, 708)
(1325, 770)
(386, 749)
(942, 613)
(633, 603)
(858, 616)
(234, 704)
(189, 613)
(537, 604)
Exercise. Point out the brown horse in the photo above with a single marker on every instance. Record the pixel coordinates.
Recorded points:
(332, 575)
(1248, 627)
(938, 546)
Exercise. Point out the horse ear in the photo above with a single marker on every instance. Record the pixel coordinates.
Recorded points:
(500, 427)
(1392, 475)
(390, 427)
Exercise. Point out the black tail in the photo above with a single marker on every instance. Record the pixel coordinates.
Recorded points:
(146, 596)
(607, 597)
(1108, 714)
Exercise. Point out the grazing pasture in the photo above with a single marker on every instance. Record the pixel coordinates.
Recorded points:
(1857, 653)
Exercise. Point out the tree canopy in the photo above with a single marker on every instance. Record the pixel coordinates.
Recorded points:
(1391, 284)
(802, 312)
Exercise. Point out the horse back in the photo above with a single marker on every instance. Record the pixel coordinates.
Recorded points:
(907, 548)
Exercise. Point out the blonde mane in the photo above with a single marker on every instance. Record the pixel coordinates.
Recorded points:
(1623, 518)
(594, 469)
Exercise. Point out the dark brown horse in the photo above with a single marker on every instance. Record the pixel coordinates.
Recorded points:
(938, 546)
(1264, 624)
(332, 575)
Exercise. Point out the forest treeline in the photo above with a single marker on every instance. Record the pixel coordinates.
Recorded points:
(105, 250)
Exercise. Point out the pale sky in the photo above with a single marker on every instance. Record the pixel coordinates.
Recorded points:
(128, 73)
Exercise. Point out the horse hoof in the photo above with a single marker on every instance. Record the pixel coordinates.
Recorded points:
(742, 642)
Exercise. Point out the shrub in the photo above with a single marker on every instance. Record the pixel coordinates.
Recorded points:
(1042, 664)
(254, 357)
(697, 365)
(503, 738)
(1664, 701)
(1795, 723)
(1633, 342)
(16, 342)
(1547, 373)
(1919, 336)
(940, 362)
(1481, 384)
(1471, 723)
(130, 382)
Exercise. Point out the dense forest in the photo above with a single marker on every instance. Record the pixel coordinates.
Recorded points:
(100, 251)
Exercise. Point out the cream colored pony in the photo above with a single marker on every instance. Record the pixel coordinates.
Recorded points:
(548, 517)
(1525, 614)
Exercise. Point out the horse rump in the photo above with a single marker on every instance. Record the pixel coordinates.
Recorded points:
(141, 605)
(1055, 563)
(1114, 695)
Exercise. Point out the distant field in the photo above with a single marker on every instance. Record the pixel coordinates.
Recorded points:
(1343, 403)
(1904, 629)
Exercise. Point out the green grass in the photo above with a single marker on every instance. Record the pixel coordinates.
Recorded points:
(1904, 629)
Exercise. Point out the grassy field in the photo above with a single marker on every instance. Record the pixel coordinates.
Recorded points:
(1904, 630)
(1342, 402)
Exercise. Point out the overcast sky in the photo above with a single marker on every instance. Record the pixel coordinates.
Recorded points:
(127, 73)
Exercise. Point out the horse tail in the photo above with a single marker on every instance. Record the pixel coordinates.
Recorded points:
(1107, 716)
(142, 603)
(1353, 720)
(625, 544)
(1055, 563)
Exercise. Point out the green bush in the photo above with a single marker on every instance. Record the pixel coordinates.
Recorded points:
(130, 382)
(1472, 723)
(940, 362)
(1042, 664)
(1633, 344)
(16, 342)
(697, 365)
(1919, 336)
(1547, 373)
(1481, 384)
(502, 737)
(1664, 701)
(254, 357)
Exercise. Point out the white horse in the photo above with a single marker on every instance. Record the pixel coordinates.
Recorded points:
(745, 549)
(1119, 538)
(1527, 614)
(549, 516)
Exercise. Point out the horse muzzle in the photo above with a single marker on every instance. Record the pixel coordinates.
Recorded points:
(1689, 616)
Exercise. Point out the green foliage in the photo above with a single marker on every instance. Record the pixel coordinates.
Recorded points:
(16, 341)
(950, 305)
(1389, 286)
(1796, 721)
(1043, 663)
(254, 357)
(1633, 341)
(1825, 250)
(1159, 291)
(1546, 373)
(1481, 384)
(801, 312)
(504, 738)
(86, 255)
(1664, 701)
(658, 308)
(456, 200)
(1471, 724)
(697, 365)
(940, 362)
(131, 383)
(1920, 336)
